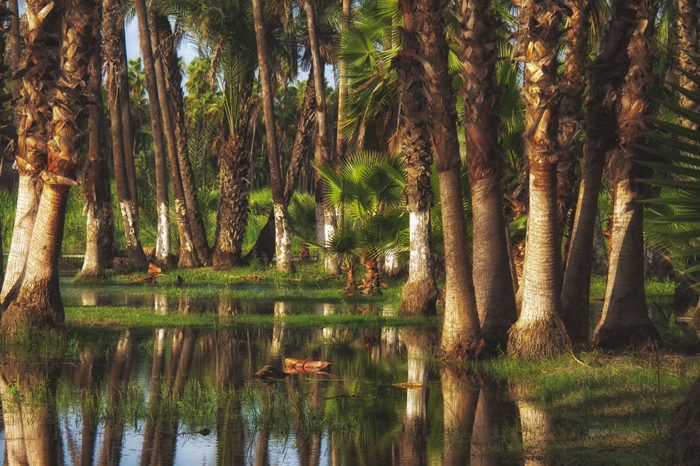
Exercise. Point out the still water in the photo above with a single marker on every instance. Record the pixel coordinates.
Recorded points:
(190, 396)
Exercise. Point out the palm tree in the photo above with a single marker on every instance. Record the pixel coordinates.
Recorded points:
(539, 331)
(420, 292)
(461, 335)
(283, 247)
(94, 262)
(340, 143)
(158, 133)
(115, 72)
(38, 303)
(168, 43)
(625, 320)
(495, 298)
(605, 78)
(324, 215)
(687, 30)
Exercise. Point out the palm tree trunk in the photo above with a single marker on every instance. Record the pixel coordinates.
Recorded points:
(129, 143)
(606, 75)
(113, 46)
(14, 43)
(461, 335)
(173, 82)
(325, 215)
(94, 262)
(625, 321)
(539, 331)
(187, 254)
(283, 249)
(571, 88)
(232, 211)
(495, 298)
(420, 292)
(687, 30)
(340, 143)
(163, 235)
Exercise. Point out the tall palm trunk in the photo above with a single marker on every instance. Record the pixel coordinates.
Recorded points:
(283, 245)
(125, 114)
(688, 49)
(571, 86)
(461, 335)
(625, 321)
(38, 64)
(38, 303)
(324, 213)
(420, 292)
(14, 43)
(94, 261)
(187, 255)
(113, 49)
(163, 235)
(495, 298)
(539, 331)
(173, 84)
(605, 77)
(340, 143)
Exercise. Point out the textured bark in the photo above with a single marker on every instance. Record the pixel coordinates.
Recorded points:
(370, 282)
(322, 156)
(14, 43)
(284, 262)
(187, 256)
(420, 292)
(158, 132)
(38, 67)
(128, 138)
(461, 336)
(232, 211)
(115, 72)
(539, 331)
(173, 82)
(94, 262)
(340, 143)
(572, 83)
(38, 304)
(495, 299)
(605, 77)
(460, 397)
(688, 52)
(625, 321)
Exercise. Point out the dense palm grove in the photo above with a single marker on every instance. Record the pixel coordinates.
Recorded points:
(469, 146)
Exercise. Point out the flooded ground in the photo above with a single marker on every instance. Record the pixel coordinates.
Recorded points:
(157, 396)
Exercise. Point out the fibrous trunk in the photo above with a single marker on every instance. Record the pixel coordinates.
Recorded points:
(625, 321)
(420, 293)
(495, 298)
(461, 335)
(539, 331)
(605, 76)
(687, 29)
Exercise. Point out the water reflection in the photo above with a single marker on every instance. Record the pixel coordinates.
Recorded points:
(187, 396)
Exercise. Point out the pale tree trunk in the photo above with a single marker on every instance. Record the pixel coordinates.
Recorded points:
(113, 49)
(173, 82)
(625, 321)
(461, 335)
(460, 396)
(283, 250)
(163, 235)
(322, 156)
(495, 298)
(605, 76)
(94, 261)
(413, 448)
(539, 331)
(187, 256)
(688, 50)
(420, 292)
